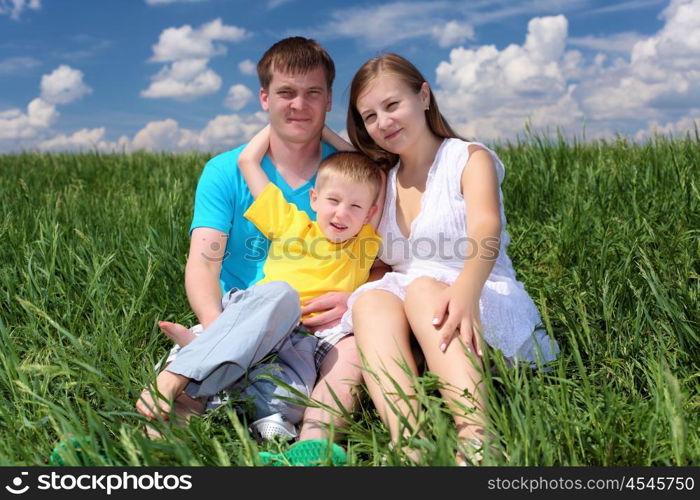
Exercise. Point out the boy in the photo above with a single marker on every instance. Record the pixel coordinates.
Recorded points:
(334, 253)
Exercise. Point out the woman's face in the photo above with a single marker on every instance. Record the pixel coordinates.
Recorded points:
(393, 114)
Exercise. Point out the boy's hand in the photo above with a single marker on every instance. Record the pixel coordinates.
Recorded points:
(334, 305)
(327, 135)
(256, 148)
(249, 161)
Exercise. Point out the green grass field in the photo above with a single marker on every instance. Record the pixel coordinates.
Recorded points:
(605, 237)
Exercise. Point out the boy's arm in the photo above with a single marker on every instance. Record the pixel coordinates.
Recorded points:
(250, 159)
(335, 140)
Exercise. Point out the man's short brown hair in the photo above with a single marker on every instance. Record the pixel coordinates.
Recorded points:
(351, 166)
(295, 55)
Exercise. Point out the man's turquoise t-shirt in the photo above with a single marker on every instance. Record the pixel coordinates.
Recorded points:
(222, 198)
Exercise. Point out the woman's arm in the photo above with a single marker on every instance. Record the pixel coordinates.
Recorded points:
(250, 159)
(335, 140)
(480, 189)
(374, 220)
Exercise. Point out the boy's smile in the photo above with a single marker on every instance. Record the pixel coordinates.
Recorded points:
(342, 207)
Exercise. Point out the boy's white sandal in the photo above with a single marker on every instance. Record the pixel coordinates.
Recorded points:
(273, 426)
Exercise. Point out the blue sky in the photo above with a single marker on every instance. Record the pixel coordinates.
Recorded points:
(178, 74)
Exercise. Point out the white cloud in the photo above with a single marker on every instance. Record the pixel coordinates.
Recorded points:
(453, 33)
(661, 79)
(17, 64)
(618, 43)
(490, 93)
(183, 80)
(238, 96)
(84, 140)
(447, 21)
(223, 132)
(686, 125)
(175, 44)
(189, 50)
(14, 8)
(383, 25)
(158, 136)
(624, 6)
(63, 85)
(633, 84)
(247, 67)
(14, 124)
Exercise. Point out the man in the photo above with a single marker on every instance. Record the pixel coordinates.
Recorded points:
(227, 251)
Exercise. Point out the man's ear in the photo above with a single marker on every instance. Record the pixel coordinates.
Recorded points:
(329, 104)
(264, 96)
(314, 199)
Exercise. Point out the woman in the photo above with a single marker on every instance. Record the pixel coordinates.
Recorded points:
(444, 236)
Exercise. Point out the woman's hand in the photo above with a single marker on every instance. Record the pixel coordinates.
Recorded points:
(456, 316)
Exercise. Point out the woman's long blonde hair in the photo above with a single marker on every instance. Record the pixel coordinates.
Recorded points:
(395, 65)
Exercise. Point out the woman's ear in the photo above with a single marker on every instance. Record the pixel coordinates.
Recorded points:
(425, 94)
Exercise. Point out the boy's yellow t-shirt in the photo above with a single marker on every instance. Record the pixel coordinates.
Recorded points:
(300, 253)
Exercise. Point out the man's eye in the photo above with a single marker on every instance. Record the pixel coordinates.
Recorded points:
(392, 105)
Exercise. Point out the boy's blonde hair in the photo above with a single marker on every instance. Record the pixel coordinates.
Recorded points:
(352, 166)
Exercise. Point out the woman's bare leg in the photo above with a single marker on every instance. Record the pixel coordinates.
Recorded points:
(382, 334)
(459, 372)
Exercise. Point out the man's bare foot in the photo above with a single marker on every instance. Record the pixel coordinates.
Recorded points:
(154, 404)
(179, 334)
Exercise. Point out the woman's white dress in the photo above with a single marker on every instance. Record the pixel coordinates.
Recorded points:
(437, 247)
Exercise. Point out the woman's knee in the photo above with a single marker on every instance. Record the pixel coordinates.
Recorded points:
(422, 288)
(365, 302)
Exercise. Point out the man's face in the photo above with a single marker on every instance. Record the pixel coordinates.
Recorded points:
(297, 104)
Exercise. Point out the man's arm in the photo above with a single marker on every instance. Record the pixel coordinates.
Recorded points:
(250, 159)
(207, 249)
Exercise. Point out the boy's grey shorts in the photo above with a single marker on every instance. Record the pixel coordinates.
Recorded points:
(323, 347)
(256, 340)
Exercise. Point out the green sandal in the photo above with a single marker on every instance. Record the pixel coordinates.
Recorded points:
(308, 453)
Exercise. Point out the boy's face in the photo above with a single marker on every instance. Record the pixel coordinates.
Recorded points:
(297, 104)
(342, 207)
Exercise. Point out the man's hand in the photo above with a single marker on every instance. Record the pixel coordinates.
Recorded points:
(334, 305)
